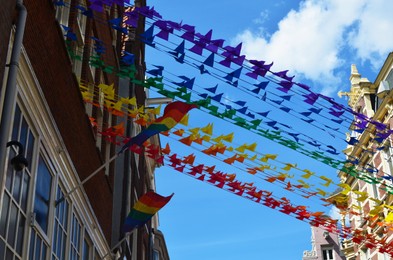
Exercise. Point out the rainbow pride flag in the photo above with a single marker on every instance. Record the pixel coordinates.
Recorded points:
(144, 209)
(173, 114)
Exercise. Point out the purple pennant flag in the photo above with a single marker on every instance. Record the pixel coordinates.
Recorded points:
(362, 124)
(226, 62)
(252, 75)
(197, 48)
(283, 75)
(189, 35)
(383, 135)
(132, 18)
(286, 86)
(205, 38)
(264, 96)
(303, 86)
(164, 33)
(97, 6)
(311, 98)
(380, 126)
(336, 113)
(214, 45)
(232, 51)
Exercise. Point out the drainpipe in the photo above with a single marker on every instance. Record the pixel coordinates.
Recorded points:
(10, 88)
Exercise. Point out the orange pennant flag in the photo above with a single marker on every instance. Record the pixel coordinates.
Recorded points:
(166, 150)
(230, 160)
(186, 140)
(179, 132)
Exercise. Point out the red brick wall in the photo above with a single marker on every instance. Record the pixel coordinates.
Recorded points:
(46, 49)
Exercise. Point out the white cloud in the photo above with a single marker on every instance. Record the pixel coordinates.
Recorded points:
(313, 40)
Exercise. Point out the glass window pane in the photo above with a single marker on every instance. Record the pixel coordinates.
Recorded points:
(17, 185)
(2, 249)
(9, 255)
(12, 225)
(23, 132)
(42, 194)
(38, 244)
(29, 149)
(25, 188)
(10, 171)
(21, 229)
(15, 129)
(86, 250)
(4, 215)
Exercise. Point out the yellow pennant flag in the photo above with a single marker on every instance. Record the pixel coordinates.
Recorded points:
(208, 129)
(289, 166)
(228, 137)
(389, 218)
(308, 174)
(184, 120)
(268, 156)
(328, 181)
(346, 188)
(194, 130)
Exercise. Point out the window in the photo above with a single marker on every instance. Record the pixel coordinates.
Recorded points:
(75, 251)
(60, 232)
(327, 253)
(87, 253)
(15, 196)
(63, 11)
(42, 195)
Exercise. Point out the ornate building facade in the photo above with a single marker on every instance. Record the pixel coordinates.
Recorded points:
(368, 200)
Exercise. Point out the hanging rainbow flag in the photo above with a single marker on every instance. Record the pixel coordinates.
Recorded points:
(173, 114)
(144, 209)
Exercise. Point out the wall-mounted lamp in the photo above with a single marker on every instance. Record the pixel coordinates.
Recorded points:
(19, 162)
(325, 234)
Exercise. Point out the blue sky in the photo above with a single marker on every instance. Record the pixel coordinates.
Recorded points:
(317, 41)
